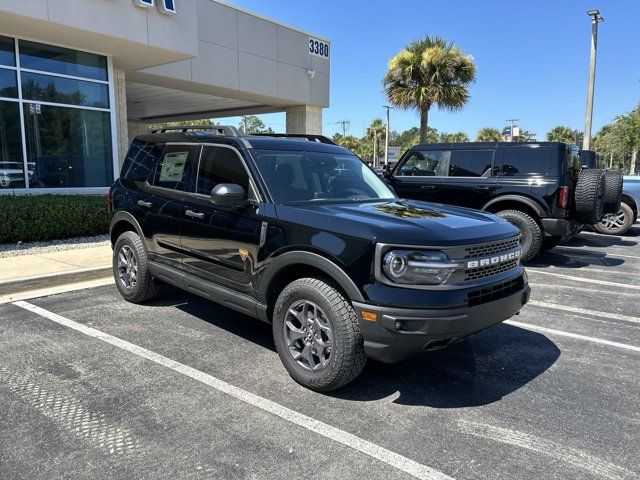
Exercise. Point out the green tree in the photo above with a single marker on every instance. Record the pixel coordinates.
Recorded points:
(564, 134)
(457, 137)
(489, 134)
(376, 133)
(253, 124)
(411, 137)
(186, 123)
(621, 139)
(429, 71)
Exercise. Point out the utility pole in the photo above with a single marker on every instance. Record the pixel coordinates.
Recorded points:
(345, 125)
(512, 121)
(375, 148)
(386, 142)
(595, 19)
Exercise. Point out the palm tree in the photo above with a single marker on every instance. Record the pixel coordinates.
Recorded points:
(376, 133)
(458, 137)
(564, 134)
(489, 134)
(429, 71)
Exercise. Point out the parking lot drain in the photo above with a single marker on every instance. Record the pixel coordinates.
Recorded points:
(596, 467)
(71, 414)
(358, 444)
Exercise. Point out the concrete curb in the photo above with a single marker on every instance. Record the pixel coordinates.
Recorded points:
(24, 284)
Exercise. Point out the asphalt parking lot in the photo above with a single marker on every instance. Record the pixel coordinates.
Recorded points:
(93, 387)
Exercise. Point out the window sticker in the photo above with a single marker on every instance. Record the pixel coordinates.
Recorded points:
(173, 166)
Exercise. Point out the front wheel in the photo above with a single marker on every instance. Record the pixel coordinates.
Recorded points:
(317, 335)
(529, 229)
(617, 223)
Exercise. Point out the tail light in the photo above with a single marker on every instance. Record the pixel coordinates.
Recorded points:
(109, 200)
(563, 197)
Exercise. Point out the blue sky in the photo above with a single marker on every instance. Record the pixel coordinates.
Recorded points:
(532, 58)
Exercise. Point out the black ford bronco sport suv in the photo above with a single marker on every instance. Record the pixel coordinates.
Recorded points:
(300, 233)
(540, 187)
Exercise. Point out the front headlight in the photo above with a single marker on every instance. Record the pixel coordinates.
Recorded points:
(418, 267)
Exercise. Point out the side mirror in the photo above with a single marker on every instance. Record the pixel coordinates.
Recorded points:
(228, 195)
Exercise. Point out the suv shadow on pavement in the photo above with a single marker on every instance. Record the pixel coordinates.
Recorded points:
(575, 259)
(478, 371)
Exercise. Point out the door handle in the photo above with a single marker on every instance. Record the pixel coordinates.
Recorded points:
(481, 189)
(428, 187)
(192, 214)
(144, 204)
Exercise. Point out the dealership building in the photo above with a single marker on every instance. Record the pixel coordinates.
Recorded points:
(80, 78)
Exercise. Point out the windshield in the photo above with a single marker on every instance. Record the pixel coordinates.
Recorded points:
(301, 177)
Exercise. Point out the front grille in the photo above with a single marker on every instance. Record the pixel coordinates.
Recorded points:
(489, 270)
(491, 248)
(497, 292)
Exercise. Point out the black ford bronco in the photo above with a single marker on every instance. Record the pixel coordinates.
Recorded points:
(298, 232)
(540, 187)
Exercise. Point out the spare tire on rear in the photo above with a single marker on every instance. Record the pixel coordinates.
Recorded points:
(613, 191)
(589, 196)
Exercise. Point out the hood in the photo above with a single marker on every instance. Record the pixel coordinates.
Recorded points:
(401, 222)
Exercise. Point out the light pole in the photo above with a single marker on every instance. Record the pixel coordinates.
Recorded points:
(386, 142)
(595, 19)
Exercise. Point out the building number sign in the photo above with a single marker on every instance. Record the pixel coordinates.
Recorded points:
(319, 48)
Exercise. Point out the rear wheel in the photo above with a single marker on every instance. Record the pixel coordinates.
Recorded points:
(131, 269)
(317, 335)
(613, 191)
(617, 223)
(589, 196)
(530, 229)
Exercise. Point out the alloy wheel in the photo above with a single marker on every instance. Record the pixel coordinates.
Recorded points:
(308, 335)
(127, 267)
(613, 221)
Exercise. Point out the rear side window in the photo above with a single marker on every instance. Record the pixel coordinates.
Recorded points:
(471, 163)
(175, 169)
(432, 163)
(220, 165)
(526, 161)
(140, 161)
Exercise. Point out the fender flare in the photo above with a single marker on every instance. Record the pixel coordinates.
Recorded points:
(313, 260)
(122, 216)
(519, 198)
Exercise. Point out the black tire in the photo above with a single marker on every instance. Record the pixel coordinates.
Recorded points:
(144, 287)
(346, 358)
(617, 223)
(551, 242)
(530, 230)
(589, 196)
(613, 191)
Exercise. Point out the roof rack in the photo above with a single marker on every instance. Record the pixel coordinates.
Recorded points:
(298, 136)
(221, 130)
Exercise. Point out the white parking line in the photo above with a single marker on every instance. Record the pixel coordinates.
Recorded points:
(607, 271)
(388, 457)
(562, 333)
(573, 288)
(575, 250)
(586, 280)
(584, 311)
(577, 458)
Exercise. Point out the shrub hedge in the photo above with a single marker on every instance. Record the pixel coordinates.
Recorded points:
(48, 217)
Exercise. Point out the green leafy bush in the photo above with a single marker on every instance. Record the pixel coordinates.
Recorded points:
(48, 217)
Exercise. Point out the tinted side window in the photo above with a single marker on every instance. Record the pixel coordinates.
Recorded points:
(220, 165)
(175, 170)
(432, 163)
(471, 163)
(140, 161)
(526, 161)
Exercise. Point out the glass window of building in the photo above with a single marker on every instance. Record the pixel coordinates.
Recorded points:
(47, 58)
(47, 88)
(68, 147)
(7, 52)
(11, 160)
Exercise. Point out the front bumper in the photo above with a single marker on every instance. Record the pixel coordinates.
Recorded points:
(558, 227)
(399, 333)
